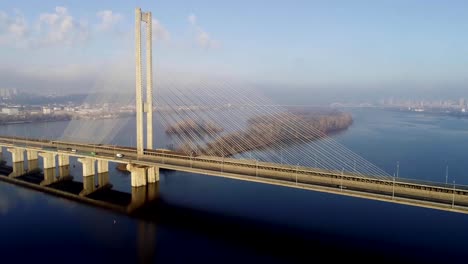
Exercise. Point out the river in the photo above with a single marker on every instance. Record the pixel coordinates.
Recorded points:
(215, 220)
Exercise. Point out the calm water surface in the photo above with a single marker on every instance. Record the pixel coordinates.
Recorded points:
(214, 220)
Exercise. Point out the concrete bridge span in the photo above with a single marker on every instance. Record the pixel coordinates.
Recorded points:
(145, 169)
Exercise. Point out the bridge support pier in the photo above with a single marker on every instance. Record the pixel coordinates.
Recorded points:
(102, 166)
(31, 154)
(17, 155)
(88, 166)
(64, 172)
(153, 174)
(33, 159)
(138, 174)
(49, 160)
(103, 173)
(88, 176)
(64, 166)
(63, 160)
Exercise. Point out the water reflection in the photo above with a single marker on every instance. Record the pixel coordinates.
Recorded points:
(146, 241)
(13, 196)
(33, 164)
(143, 195)
(50, 176)
(103, 179)
(88, 185)
(206, 216)
(5, 203)
(18, 169)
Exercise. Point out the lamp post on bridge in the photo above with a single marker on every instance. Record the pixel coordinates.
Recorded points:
(453, 194)
(446, 174)
(222, 165)
(297, 171)
(191, 152)
(398, 169)
(256, 168)
(297, 167)
(341, 181)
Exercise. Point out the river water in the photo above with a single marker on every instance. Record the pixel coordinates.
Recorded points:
(214, 220)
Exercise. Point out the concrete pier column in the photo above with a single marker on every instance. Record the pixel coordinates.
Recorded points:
(88, 166)
(49, 160)
(64, 172)
(102, 166)
(153, 174)
(33, 159)
(17, 155)
(88, 176)
(31, 154)
(63, 160)
(49, 176)
(138, 174)
(64, 166)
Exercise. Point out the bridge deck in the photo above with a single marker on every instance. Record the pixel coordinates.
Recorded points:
(412, 192)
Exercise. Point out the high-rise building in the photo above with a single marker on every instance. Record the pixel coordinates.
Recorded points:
(462, 103)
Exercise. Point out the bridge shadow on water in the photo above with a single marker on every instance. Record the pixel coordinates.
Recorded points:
(282, 242)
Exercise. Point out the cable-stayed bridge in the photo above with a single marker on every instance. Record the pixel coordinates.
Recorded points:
(232, 132)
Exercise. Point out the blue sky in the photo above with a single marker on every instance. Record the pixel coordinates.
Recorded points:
(421, 43)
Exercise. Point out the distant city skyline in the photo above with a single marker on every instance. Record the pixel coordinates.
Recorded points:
(337, 47)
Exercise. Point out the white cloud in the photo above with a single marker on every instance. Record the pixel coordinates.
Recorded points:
(18, 27)
(13, 29)
(192, 18)
(108, 19)
(159, 31)
(60, 28)
(202, 38)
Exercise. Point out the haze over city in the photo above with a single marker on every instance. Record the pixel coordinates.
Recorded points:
(315, 48)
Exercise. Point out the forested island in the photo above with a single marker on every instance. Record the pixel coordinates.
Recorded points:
(294, 126)
(201, 128)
